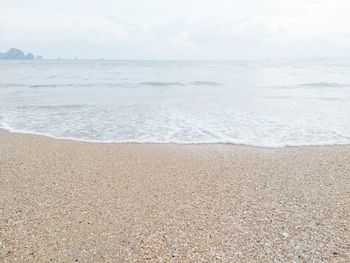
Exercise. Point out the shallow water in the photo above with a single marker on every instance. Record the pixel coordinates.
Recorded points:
(268, 103)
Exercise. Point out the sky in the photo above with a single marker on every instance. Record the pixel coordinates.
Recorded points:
(177, 29)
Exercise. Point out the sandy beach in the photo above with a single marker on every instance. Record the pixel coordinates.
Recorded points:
(66, 201)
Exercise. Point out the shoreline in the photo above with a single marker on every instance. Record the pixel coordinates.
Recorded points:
(66, 201)
(70, 139)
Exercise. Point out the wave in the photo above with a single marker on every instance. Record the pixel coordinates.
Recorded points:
(113, 85)
(160, 84)
(53, 107)
(44, 86)
(61, 85)
(204, 83)
(302, 98)
(324, 85)
(11, 85)
(280, 97)
(315, 85)
(178, 142)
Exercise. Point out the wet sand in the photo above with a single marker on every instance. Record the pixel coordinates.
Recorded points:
(65, 201)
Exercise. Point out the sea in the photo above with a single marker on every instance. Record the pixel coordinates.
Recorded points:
(267, 103)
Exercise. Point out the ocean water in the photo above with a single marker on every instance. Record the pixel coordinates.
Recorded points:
(268, 103)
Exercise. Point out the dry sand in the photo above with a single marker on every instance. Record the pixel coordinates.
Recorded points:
(69, 201)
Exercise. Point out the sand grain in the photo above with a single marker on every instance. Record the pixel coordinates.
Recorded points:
(69, 201)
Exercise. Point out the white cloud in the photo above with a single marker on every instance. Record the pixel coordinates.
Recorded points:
(186, 29)
(181, 41)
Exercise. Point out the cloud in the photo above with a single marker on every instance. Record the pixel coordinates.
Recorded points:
(179, 29)
(181, 41)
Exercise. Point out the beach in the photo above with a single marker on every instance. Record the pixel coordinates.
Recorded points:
(69, 201)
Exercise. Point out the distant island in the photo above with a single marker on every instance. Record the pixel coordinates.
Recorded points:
(15, 53)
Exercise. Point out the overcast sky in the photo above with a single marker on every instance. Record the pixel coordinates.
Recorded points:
(177, 29)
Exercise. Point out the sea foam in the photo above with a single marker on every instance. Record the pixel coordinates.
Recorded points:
(261, 103)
